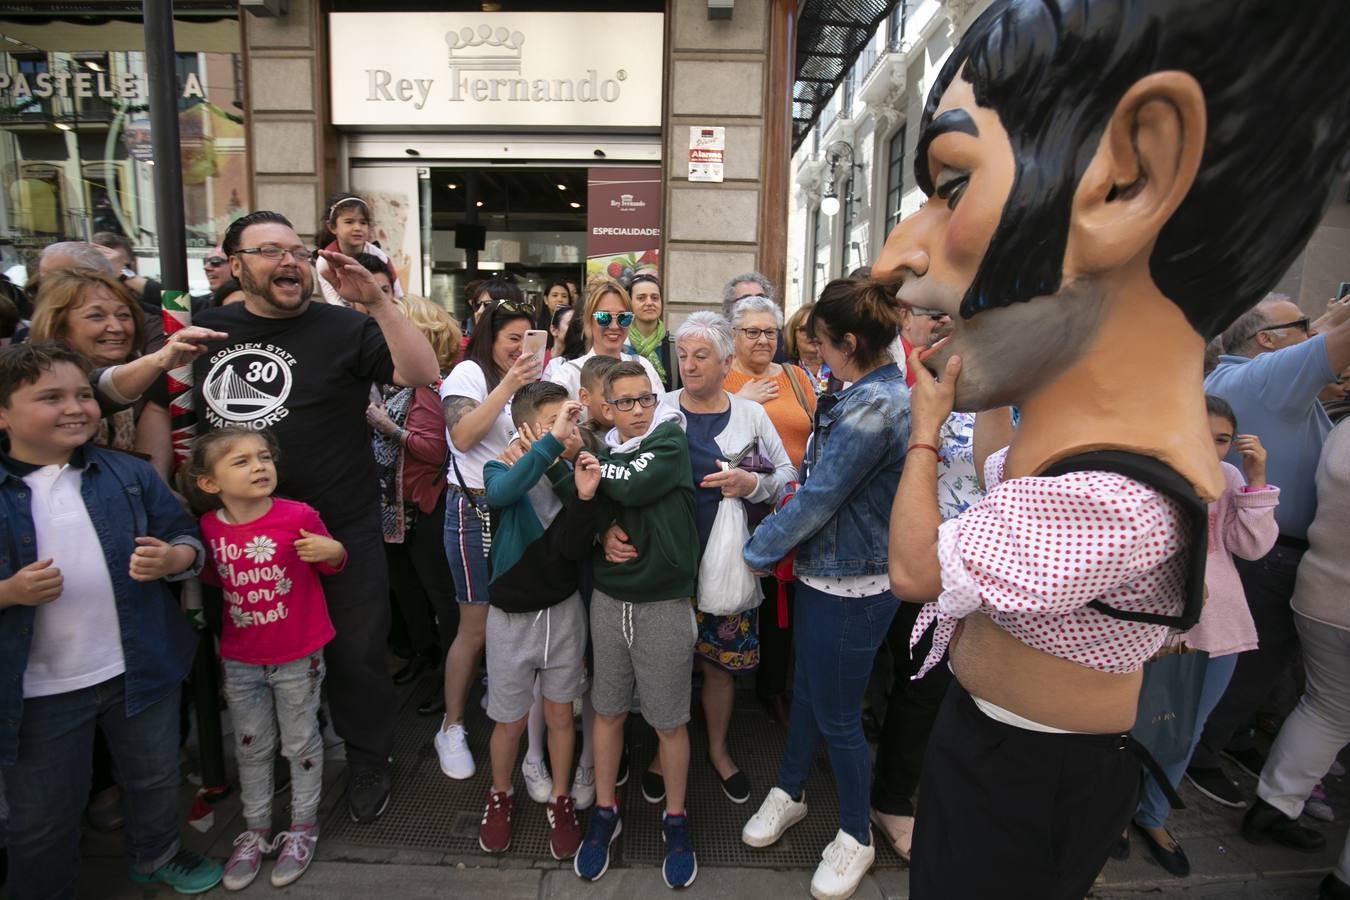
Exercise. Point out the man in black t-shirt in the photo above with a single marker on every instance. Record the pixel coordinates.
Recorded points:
(304, 370)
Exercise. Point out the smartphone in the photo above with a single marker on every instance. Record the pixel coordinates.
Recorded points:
(535, 342)
(1343, 290)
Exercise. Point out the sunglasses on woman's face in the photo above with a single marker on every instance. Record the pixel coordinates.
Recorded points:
(624, 404)
(603, 319)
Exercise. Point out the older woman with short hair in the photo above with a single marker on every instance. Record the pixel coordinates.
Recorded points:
(785, 391)
(719, 426)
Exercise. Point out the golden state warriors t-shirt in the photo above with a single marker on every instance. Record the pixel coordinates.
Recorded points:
(307, 379)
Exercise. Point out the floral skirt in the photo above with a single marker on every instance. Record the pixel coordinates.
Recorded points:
(729, 642)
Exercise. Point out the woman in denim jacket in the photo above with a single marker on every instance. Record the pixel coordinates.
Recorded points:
(837, 524)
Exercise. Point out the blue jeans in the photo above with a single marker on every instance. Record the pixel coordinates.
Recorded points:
(836, 639)
(48, 788)
(263, 700)
(1153, 806)
(464, 546)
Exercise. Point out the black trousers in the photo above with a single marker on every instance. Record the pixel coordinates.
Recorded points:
(911, 709)
(775, 644)
(361, 695)
(1269, 584)
(1016, 814)
(420, 577)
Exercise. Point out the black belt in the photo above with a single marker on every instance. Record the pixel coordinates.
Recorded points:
(1292, 543)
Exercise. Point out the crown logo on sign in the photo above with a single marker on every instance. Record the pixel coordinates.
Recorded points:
(486, 48)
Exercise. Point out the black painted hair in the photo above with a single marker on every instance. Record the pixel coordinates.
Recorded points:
(23, 364)
(866, 309)
(230, 243)
(525, 402)
(1277, 98)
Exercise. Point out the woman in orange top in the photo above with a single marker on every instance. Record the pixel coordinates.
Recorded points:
(784, 390)
(790, 400)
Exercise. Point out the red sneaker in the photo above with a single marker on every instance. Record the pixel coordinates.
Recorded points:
(564, 834)
(494, 834)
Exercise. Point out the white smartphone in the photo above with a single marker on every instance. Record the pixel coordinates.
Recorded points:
(535, 342)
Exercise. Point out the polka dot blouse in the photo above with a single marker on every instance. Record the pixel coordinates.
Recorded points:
(1035, 551)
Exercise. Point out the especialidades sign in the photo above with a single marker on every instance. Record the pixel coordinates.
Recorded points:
(496, 69)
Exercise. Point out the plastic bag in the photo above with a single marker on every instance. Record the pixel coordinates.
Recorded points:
(725, 583)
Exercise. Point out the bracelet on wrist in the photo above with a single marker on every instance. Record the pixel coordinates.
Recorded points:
(917, 445)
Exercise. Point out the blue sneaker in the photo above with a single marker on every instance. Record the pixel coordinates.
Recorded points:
(186, 873)
(680, 867)
(592, 859)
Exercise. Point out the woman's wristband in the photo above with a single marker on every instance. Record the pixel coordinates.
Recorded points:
(921, 446)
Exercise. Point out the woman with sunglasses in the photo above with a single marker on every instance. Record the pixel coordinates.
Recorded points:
(606, 319)
(648, 337)
(476, 401)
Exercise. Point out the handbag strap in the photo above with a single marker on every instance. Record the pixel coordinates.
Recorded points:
(797, 389)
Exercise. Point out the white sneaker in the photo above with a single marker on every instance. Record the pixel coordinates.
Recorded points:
(452, 747)
(537, 782)
(776, 815)
(843, 864)
(583, 787)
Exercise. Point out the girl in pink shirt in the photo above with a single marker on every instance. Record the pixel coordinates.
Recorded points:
(266, 554)
(1241, 521)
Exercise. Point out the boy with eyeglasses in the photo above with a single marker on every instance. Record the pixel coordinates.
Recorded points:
(642, 620)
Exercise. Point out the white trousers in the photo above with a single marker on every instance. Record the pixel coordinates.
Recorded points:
(1316, 730)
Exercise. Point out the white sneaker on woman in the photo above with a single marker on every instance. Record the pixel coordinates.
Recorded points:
(538, 784)
(452, 748)
(776, 815)
(583, 787)
(843, 864)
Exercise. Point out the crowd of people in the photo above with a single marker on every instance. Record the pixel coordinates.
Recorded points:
(541, 512)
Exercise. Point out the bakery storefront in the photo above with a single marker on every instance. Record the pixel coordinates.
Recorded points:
(527, 143)
(75, 151)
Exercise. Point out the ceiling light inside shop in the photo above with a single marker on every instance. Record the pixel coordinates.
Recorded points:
(63, 126)
(452, 185)
(93, 65)
(575, 205)
(562, 187)
(478, 203)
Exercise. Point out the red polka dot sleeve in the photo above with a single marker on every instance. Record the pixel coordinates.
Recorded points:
(1035, 551)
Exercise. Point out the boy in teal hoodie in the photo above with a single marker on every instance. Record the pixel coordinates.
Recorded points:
(642, 617)
(547, 519)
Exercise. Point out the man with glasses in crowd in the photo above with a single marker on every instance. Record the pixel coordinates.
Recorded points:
(1273, 366)
(304, 370)
(217, 268)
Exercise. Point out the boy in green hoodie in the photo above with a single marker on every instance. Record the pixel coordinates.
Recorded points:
(642, 618)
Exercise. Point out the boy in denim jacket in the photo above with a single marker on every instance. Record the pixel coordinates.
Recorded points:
(86, 639)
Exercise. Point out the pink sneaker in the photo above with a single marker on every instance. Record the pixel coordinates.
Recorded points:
(297, 852)
(243, 865)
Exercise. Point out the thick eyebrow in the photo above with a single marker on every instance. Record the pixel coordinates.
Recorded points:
(952, 120)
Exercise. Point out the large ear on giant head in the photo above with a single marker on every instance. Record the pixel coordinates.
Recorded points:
(1145, 164)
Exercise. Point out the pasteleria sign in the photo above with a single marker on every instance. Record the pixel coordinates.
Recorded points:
(496, 69)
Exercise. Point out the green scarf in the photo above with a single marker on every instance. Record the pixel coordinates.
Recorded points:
(648, 346)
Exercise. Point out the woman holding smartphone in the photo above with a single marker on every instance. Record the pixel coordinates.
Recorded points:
(476, 402)
(606, 319)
